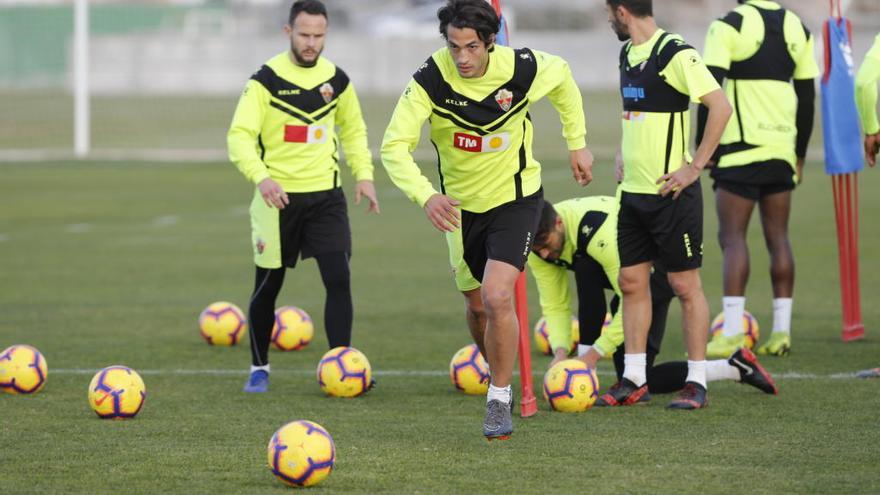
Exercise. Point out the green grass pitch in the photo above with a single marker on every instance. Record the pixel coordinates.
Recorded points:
(110, 263)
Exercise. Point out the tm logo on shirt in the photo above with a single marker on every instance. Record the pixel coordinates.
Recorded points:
(633, 93)
(481, 144)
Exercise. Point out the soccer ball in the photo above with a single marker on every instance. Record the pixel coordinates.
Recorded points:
(750, 327)
(571, 386)
(344, 372)
(22, 370)
(117, 392)
(301, 453)
(293, 329)
(469, 371)
(222, 323)
(542, 337)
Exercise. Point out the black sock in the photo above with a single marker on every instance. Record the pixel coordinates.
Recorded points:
(666, 378)
(338, 311)
(261, 313)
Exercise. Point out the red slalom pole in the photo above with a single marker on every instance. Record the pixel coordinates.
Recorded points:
(853, 329)
(528, 405)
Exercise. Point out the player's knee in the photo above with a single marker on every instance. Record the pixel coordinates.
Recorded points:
(631, 284)
(685, 285)
(496, 299)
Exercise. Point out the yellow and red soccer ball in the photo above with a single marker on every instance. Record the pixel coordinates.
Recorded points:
(301, 453)
(571, 386)
(293, 329)
(222, 323)
(117, 392)
(542, 337)
(23, 370)
(344, 372)
(469, 371)
(750, 328)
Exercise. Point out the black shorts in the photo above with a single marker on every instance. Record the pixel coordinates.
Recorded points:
(504, 233)
(314, 223)
(651, 227)
(756, 180)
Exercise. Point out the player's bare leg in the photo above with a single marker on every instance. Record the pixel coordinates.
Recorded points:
(636, 289)
(695, 321)
(775, 210)
(497, 292)
(734, 213)
(475, 315)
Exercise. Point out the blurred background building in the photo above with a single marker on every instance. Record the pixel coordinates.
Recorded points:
(165, 60)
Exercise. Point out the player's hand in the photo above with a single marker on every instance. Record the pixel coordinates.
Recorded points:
(366, 188)
(442, 212)
(677, 181)
(273, 194)
(800, 170)
(872, 147)
(560, 354)
(591, 358)
(582, 165)
(618, 166)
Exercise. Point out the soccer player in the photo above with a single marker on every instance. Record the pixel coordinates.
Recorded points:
(283, 139)
(759, 48)
(866, 100)
(580, 235)
(661, 207)
(475, 95)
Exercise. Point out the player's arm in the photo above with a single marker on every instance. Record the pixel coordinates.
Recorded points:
(866, 100)
(242, 141)
(401, 138)
(554, 79)
(554, 295)
(717, 54)
(353, 137)
(687, 73)
(806, 71)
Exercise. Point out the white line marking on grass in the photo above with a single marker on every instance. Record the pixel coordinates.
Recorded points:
(4, 237)
(78, 228)
(166, 220)
(791, 375)
(239, 211)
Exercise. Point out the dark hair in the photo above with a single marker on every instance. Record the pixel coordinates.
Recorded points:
(638, 8)
(546, 223)
(314, 7)
(475, 14)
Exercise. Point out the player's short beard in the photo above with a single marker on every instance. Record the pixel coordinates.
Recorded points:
(301, 61)
(619, 29)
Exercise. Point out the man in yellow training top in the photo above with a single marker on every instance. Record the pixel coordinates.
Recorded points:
(764, 55)
(866, 100)
(283, 139)
(661, 204)
(476, 96)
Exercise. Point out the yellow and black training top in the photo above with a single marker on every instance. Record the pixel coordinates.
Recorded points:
(658, 80)
(285, 126)
(762, 47)
(480, 127)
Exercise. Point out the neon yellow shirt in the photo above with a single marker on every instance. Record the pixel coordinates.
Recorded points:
(480, 126)
(285, 127)
(646, 135)
(554, 284)
(866, 89)
(765, 110)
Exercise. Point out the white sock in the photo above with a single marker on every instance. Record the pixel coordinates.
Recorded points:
(782, 314)
(734, 306)
(498, 393)
(583, 349)
(263, 368)
(720, 369)
(634, 368)
(697, 372)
